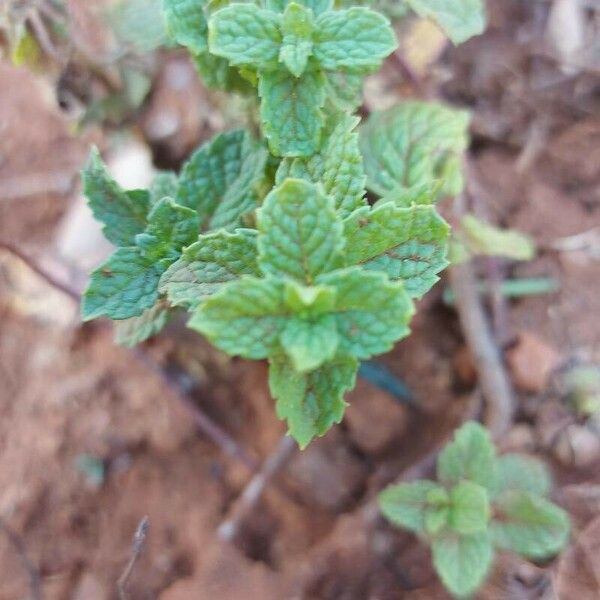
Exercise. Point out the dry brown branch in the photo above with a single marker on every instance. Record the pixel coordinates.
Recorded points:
(33, 575)
(136, 549)
(245, 504)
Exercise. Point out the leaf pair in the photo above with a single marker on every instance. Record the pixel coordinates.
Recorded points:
(305, 307)
(454, 514)
(292, 54)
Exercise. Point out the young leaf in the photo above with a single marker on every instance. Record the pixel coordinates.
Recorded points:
(245, 318)
(216, 74)
(123, 287)
(460, 19)
(207, 265)
(291, 111)
(245, 35)
(484, 239)
(471, 455)
(170, 227)
(411, 144)
(469, 508)
(356, 38)
(317, 6)
(372, 312)
(297, 29)
(131, 332)
(310, 340)
(338, 167)
(122, 213)
(221, 179)
(522, 473)
(529, 525)
(311, 402)
(462, 561)
(406, 504)
(405, 243)
(300, 236)
(186, 23)
(164, 185)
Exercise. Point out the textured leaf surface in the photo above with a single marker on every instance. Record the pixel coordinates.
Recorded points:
(245, 318)
(131, 332)
(310, 341)
(300, 236)
(372, 312)
(245, 35)
(462, 561)
(317, 6)
(471, 455)
(186, 23)
(470, 508)
(405, 243)
(221, 179)
(170, 227)
(356, 38)
(218, 75)
(207, 265)
(405, 505)
(297, 28)
(529, 525)
(460, 19)
(411, 144)
(338, 167)
(164, 185)
(123, 214)
(123, 287)
(311, 402)
(522, 473)
(291, 111)
(344, 89)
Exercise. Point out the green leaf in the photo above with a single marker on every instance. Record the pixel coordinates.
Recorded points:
(529, 525)
(164, 185)
(436, 520)
(131, 332)
(411, 144)
(297, 29)
(462, 561)
(460, 19)
(245, 318)
(245, 35)
(338, 167)
(216, 74)
(207, 265)
(123, 287)
(469, 508)
(522, 473)
(482, 238)
(291, 111)
(421, 195)
(186, 23)
(405, 243)
(310, 341)
(170, 228)
(311, 402)
(471, 455)
(405, 505)
(372, 312)
(344, 89)
(300, 236)
(221, 180)
(122, 213)
(317, 6)
(356, 38)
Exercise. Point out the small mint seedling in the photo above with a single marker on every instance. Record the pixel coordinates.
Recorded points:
(480, 503)
(268, 239)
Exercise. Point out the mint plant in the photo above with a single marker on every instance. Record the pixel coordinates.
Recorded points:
(266, 237)
(479, 503)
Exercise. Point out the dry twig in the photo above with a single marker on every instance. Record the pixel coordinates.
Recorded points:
(245, 504)
(136, 549)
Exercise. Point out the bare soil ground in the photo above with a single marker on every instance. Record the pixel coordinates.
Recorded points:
(91, 440)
